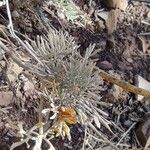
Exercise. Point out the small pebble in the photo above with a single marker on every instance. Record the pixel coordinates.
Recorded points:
(105, 65)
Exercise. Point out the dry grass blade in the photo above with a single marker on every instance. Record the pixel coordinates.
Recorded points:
(125, 134)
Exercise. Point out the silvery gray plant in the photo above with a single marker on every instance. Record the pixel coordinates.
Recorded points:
(58, 53)
(75, 74)
(55, 60)
(54, 57)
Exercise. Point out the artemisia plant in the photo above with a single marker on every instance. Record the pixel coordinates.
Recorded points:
(69, 82)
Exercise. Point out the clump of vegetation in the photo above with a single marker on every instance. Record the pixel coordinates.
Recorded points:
(70, 84)
(72, 74)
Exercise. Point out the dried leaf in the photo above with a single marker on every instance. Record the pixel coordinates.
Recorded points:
(58, 128)
(6, 98)
(68, 115)
(28, 88)
(66, 130)
(117, 91)
(96, 120)
(62, 129)
(13, 71)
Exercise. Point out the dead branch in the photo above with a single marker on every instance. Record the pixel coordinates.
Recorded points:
(124, 85)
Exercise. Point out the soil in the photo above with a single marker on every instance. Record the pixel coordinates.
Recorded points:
(125, 52)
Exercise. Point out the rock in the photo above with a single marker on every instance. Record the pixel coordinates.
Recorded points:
(105, 65)
(143, 130)
(103, 14)
(142, 83)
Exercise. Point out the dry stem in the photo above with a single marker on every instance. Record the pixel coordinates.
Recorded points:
(124, 85)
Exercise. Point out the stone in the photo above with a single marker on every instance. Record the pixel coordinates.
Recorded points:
(142, 83)
(105, 65)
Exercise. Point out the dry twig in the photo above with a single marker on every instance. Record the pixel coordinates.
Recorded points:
(124, 85)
